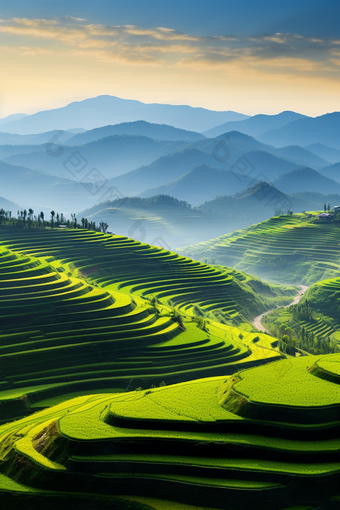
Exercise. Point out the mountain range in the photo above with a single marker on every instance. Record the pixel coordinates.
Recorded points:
(256, 125)
(104, 110)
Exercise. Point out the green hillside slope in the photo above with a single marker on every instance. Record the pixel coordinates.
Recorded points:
(69, 322)
(295, 249)
(267, 438)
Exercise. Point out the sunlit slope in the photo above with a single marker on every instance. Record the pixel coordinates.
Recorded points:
(267, 437)
(292, 249)
(60, 335)
(120, 263)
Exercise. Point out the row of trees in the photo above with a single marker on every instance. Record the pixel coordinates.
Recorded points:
(27, 219)
(294, 336)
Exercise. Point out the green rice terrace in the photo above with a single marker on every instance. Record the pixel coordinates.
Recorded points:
(298, 249)
(266, 437)
(132, 377)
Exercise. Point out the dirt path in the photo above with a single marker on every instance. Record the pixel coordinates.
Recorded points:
(258, 319)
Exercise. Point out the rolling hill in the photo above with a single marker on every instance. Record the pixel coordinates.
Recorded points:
(306, 179)
(256, 125)
(111, 398)
(112, 156)
(327, 153)
(34, 139)
(137, 128)
(324, 129)
(7, 205)
(296, 248)
(161, 220)
(104, 110)
(164, 219)
(332, 172)
(42, 192)
(200, 184)
(256, 439)
(11, 118)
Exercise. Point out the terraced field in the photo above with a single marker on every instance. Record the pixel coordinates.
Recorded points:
(67, 329)
(295, 249)
(120, 264)
(266, 437)
(61, 335)
(110, 399)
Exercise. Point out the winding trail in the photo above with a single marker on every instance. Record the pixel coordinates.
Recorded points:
(258, 319)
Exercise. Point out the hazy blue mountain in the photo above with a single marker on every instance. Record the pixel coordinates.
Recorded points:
(44, 192)
(236, 144)
(306, 131)
(168, 168)
(158, 220)
(200, 184)
(75, 131)
(255, 126)
(8, 205)
(11, 118)
(316, 201)
(261, 201)
(35, 139)
(138, 128)
(162, 220)
(306, 179)
(327, 153)
(266, 166)
(300, 156)
(332, 172)
(161, 171)
(256, 165)
(104, 110)
(111, 156)
(254, 204)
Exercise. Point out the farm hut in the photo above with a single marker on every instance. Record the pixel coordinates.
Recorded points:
(324, 216)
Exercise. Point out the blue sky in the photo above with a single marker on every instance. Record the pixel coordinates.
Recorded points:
(246, 56)
(242, 17)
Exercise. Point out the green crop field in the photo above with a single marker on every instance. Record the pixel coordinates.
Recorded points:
(295, 249)
(189, 438)
(132, 376)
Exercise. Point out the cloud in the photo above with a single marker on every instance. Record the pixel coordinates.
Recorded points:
(161, 46)
(27, 50)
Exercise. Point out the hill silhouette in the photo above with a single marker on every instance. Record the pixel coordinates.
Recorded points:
(306, 179)
(137, 128)
(256, 125)
(104, 110)
(306, 131)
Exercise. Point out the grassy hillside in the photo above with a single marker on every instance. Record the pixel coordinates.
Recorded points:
(295, 249)
(267, 438)
(82, 310)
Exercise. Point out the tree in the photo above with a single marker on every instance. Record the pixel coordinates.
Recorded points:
(328, 206)
(104, 226)
(73, 216)
(30, 215)
(52, 218)
(325, 207)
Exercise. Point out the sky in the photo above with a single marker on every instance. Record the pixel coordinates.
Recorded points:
(246, 56)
